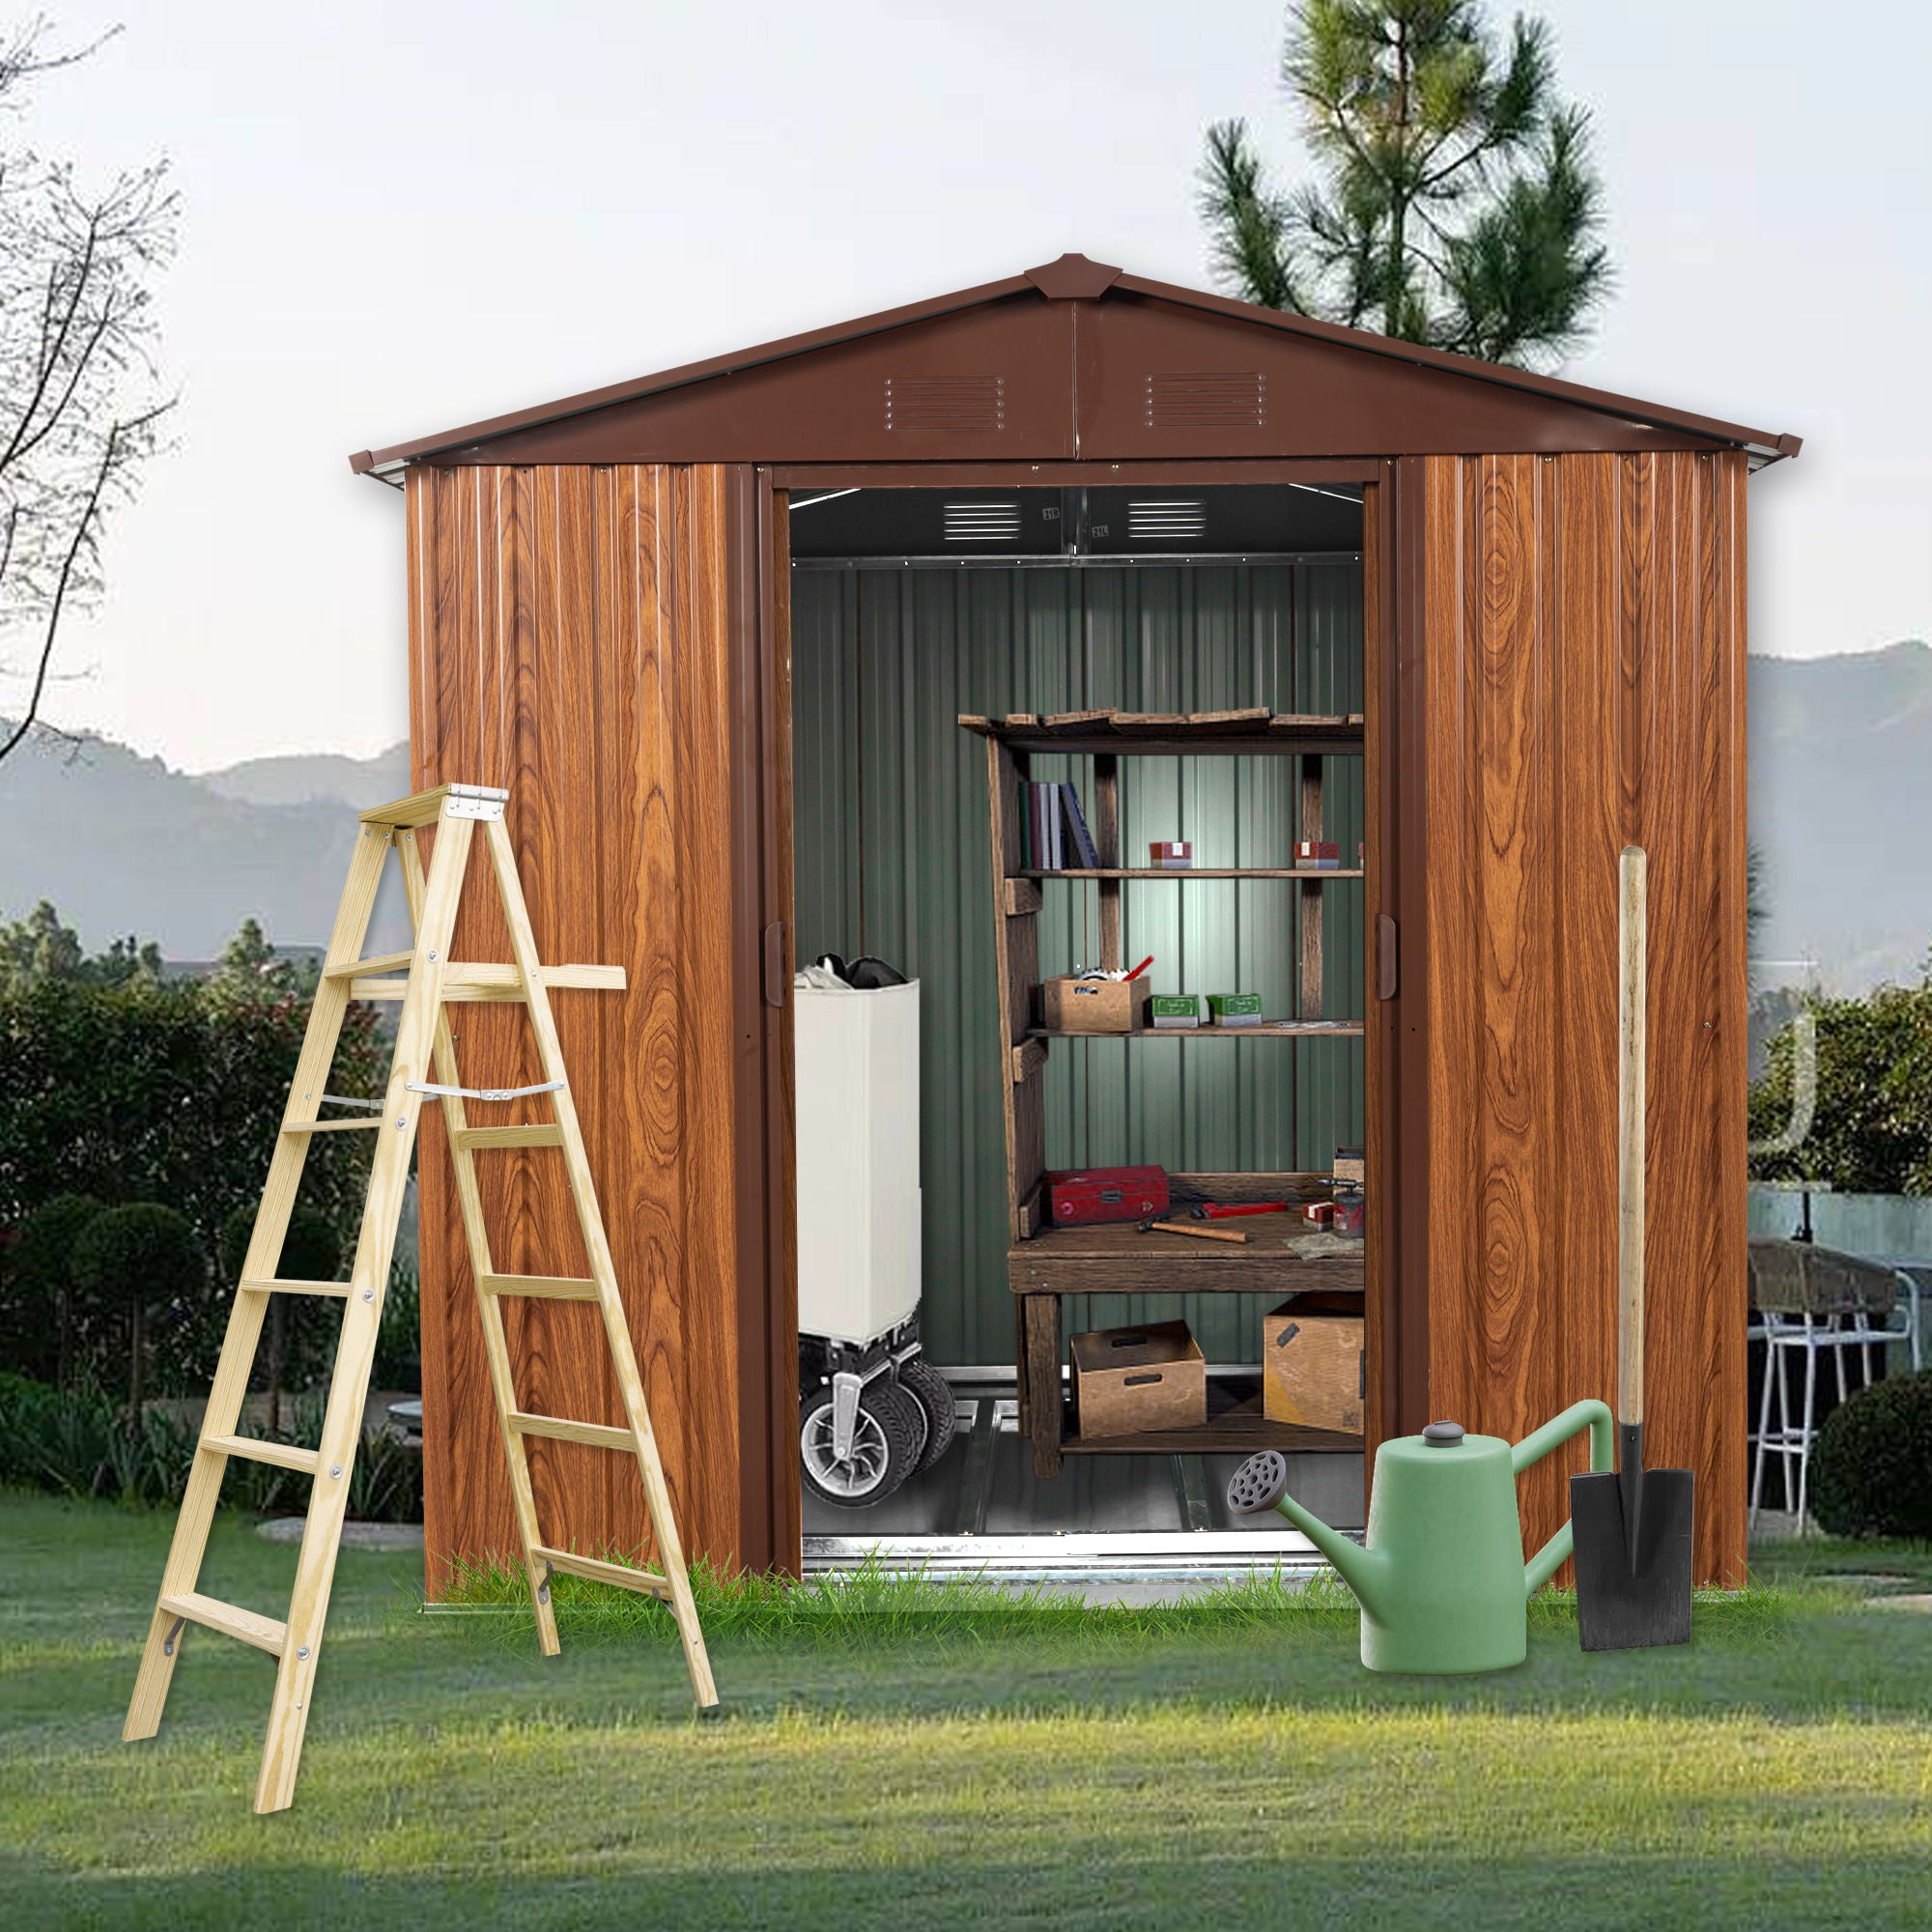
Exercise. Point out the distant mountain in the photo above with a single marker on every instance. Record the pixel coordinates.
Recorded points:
(303, 778)
(122, 845)
(1841, 810)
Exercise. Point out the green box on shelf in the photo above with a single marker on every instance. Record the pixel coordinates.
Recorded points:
(1175, 1009)
(1235, 1009)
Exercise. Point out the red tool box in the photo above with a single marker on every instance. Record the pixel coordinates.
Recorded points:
(1106, 1194)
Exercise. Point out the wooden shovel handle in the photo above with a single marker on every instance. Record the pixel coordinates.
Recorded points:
(1632, 955)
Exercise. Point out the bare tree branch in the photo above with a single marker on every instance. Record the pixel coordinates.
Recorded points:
(78, 412)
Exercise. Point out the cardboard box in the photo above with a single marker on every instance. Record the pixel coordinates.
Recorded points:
(1130, 1380)
(1313, 1367)
(1235, 1009)
(1175, 1010)
(1095, 1006)
(1350, 1165)
(1106, 1194)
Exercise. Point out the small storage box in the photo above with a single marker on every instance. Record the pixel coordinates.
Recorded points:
(1235, 1009)
(1106, 1194)
(1170, 855)
(1095, 1006)
(1175, 1009)
(1314, 1368)
(1129, 1379)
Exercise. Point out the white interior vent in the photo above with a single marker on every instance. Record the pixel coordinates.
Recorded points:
(982, 522)
(1167, 519)
(953, 403)
(1207, 399)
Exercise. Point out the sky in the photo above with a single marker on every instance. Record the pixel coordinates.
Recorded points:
(400, 218)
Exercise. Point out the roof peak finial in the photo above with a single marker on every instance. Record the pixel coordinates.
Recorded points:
(1073, 278)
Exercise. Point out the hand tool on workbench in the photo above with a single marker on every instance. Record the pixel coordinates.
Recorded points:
(1152, 1227)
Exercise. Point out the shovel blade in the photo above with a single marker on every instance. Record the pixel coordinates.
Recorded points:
(1624, 1600)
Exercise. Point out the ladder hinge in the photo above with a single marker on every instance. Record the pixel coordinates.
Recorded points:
(473, 802)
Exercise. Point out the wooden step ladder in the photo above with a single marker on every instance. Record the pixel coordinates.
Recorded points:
(423, 1036)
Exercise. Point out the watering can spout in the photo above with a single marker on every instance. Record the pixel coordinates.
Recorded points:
(1261, 1483)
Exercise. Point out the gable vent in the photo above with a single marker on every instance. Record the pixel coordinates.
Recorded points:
(1208, 400)
(946, 402)
(1167, 518)
(982, 522)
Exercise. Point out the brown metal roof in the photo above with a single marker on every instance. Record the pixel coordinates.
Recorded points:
(1073, 278)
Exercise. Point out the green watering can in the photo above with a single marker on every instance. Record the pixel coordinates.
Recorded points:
(1441, 1580)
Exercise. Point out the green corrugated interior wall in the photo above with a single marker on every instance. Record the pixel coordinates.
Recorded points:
(891, 838)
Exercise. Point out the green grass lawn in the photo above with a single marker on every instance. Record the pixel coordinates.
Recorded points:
(908, 1772)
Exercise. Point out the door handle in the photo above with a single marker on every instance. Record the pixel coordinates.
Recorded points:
(776, 978)
(1387, 979)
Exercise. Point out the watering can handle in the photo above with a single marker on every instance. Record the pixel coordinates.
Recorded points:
(1536, 1445)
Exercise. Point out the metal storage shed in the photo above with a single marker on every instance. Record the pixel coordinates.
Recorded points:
(1553, 634)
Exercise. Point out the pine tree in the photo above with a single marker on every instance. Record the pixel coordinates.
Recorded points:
(1457, 206)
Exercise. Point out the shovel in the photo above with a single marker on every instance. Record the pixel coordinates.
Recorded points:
(1633, 1529)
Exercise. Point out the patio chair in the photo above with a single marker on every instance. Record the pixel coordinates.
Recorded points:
(1808, 1301)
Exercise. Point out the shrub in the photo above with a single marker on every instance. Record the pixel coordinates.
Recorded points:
(37, 1314)
(1872, 1472)
(78, 1442)
(171, 1092)
(136, 1268)
(298, 1337)
(399, 1341)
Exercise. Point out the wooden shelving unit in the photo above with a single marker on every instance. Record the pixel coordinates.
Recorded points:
(1046, 1264)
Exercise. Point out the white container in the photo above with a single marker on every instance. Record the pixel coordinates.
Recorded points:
(856, 1057)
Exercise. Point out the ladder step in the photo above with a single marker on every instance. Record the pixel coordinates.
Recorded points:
(384, 962)
(338, 1289)
(544, 1287)
(619, 1574)
(559, 1428)
(331, 1126)
(284, 1455)
(463, 980)
(231, 1619)
(548, 1134)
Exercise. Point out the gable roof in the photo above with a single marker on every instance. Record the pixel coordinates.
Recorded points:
(1430, 393)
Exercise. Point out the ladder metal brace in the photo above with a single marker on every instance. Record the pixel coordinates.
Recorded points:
(481, 1092)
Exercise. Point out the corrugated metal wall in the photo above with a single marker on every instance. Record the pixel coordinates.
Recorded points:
(892, 859)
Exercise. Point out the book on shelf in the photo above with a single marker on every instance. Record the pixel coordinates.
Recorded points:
(1084, 848)
(1042, 809)
(1056, 833)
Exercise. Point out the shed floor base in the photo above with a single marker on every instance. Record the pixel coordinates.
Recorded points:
(1117, 1519)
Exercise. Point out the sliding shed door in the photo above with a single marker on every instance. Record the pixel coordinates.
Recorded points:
(1582, 679)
